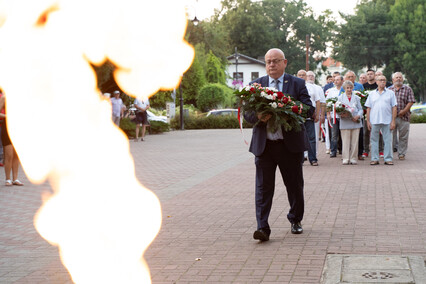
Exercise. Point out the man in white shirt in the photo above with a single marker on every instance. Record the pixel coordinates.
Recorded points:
(310, 122)
(312, 87)
(117, 108)
(381, 114)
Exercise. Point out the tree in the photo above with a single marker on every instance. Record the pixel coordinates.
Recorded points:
(159, 99)
(211, 95)
(409, 56)
(255, 27)
(192, 81)
(366, 39)
(215, 73)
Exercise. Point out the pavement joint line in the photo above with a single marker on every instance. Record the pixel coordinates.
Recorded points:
(171, 191)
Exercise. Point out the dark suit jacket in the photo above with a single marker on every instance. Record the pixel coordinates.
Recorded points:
(294, 141)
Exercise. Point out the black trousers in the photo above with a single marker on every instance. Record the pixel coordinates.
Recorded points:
(291, 168)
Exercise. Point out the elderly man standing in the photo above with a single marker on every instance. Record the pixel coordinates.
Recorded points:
(381, 114)
(312, 87)
(281, 148)
(405, 99)
(310, 122)
(118, 108)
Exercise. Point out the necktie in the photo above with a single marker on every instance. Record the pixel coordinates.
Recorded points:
(277, 84)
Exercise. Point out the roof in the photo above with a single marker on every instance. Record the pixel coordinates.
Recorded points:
(251, 59)
(330, 62)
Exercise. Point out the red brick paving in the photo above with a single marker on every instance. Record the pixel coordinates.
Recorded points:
(205, 180)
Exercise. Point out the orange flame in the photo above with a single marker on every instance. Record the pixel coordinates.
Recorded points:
(100, 216)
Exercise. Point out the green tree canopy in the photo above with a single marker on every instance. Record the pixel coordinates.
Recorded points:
(256, 26)
(192, 81)
(407, 17)
(215, 72)
(366, 39)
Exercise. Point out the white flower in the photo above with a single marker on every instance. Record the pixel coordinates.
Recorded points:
(272, 89)
(263, 94)
(240, 88)
(274, 105)
(248, 87)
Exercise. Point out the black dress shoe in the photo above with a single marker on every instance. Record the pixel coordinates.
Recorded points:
(261, 235)
(296, 228)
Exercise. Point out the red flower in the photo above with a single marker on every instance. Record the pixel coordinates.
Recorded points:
(270, 92)
(280, 95)
(285, 100)
(252, 90)
(295, 109)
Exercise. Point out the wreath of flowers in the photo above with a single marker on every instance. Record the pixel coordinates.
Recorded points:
(363, 96)
(284, 110)
(330, 103)
(342, 109)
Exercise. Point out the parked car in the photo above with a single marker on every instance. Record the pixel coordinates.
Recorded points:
(225, 111)
(153, 117)
(418, 109)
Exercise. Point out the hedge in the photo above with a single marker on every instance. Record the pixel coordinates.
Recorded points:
(208, 122)
(156, 127)
(418, 118)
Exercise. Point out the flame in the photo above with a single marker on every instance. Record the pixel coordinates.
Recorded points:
(100, 217)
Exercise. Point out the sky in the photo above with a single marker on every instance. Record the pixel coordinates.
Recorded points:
(205, 8)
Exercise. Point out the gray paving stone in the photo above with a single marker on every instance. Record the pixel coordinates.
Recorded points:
(205, 181)
(373, 269)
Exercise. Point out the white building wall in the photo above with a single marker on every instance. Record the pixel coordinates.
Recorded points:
(246, 68)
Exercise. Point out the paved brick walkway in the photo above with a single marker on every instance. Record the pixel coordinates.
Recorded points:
(205, 180)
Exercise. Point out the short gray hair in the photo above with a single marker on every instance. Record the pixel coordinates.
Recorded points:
(396, 73)
(347, 83)
(310, 72)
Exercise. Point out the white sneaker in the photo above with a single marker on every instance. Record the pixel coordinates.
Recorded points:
(328, 151)
(136, 140)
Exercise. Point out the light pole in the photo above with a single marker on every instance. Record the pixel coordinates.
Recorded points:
(307, 52)
(182, 127)
(236, 64)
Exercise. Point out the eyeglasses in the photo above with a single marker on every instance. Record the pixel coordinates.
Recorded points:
(275, 61)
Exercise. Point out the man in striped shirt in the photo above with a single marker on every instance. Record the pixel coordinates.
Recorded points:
(405, 99)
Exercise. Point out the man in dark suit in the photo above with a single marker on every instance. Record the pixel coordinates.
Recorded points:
(281, 148)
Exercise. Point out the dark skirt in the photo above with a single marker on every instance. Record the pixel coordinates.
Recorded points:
(141, 117)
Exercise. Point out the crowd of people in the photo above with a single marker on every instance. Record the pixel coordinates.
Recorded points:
(376, 128)
(353, 118)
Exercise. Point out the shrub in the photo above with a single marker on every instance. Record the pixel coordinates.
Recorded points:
(211, 95)
(156, 127)
(418, 118)
(209, 122)
(229, 97)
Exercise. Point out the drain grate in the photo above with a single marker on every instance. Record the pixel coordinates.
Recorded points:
(379, 275)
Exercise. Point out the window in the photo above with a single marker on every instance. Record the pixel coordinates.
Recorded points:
(254, 75)
(239, 78)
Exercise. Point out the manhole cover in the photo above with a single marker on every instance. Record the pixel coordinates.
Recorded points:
(341, 269)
